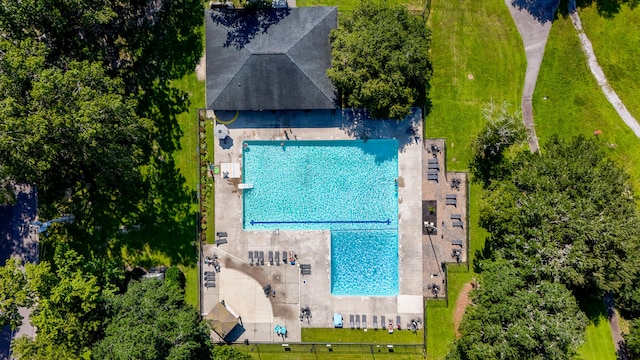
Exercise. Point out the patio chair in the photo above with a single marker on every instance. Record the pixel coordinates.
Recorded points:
(271, 258)
(375, 322)
(357, 321)
(221, 241)
(364, 322)
(251, 258)
(351, 321)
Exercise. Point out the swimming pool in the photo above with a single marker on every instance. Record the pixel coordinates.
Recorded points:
(364, 263)
(320, 185)
(346, 186)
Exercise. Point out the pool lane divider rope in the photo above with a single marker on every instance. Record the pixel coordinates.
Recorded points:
(387, 222)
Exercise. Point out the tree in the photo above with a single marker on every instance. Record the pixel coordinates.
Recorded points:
(381, 59)
(502, 130)
(72, 132)
(566, 215)
(632, 339)
(13, 293)
(513, 319)
(152, 321)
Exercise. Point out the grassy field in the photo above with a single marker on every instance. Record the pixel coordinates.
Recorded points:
(575, 104)
(598, 341)
(347, 6)
(475, 39)
(359, 336)
(616, 43)
(186, 160)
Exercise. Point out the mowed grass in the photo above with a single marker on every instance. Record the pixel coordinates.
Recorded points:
(576, 105)
(475, 39)
(598, 343)
(347, 6)
(186, 160)
(616, 43)
(359, 336)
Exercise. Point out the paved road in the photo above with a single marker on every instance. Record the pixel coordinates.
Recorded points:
(16, 240)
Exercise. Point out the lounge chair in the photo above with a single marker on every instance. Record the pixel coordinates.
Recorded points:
(209, 273)
(364, 322)
(383, 323)
(457, 242)
(375, 322)
(432, 161)
(251, 258)
(261, 257)
(271, 258)
(456, 217)
(458, 224)
(305, 271)
(221, 234)
(433, 177)
(432, 172)
(209, 284)
(305, 266)
(433, 166)
(398, 321)
(256, 255)
(357, 321)
(284, 257)
(221, 241)
(278, 258)
(351, 321)
(209, 278)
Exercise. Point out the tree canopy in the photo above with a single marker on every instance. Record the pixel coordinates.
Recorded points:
(566, 215)
(513, 319)
(380, 59)
(151, 321)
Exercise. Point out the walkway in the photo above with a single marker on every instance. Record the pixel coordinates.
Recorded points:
(534, 33)
(597, 72)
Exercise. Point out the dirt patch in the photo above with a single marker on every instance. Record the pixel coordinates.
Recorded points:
(461, 304)
(201, 69)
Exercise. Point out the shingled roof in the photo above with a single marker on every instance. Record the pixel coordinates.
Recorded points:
(270, 59)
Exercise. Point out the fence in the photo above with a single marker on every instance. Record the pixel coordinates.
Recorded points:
(321, 350)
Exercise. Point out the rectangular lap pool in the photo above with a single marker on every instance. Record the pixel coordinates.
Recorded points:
(346, 186)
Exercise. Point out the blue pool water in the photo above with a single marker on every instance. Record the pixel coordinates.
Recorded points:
(319, 185)
(346, 186)
(364, 263)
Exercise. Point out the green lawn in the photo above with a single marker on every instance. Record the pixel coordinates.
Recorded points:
(347, 6)
(576, 105)
(360, 336)
(616, 43)
(598, 341)
(186, 160)
(476, 38)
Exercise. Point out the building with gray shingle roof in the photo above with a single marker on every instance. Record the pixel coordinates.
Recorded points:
(269, 59)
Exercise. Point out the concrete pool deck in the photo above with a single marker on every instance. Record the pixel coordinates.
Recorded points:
(240, 285)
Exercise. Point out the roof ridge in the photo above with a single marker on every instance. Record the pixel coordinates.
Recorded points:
(319, 20)
(232, 78)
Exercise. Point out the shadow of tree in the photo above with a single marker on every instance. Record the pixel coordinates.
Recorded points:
(549, 10)
(163, 103)
(245, 24)
(359, 124)
(166, 220)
